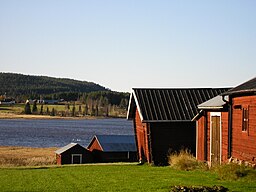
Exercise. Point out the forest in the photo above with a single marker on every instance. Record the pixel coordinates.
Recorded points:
(78, 97)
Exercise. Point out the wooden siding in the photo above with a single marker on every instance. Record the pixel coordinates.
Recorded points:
(171, 137)
(141, 132)
(201, 146)
(201, 139)
(66, 157)
(107, 157)
(243, 142)
(224, 139)
(94, 145)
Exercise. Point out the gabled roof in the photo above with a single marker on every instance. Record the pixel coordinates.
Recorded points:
(214, 103)
(247, 87)
(115, 143)
(160, 105)
(65, 148)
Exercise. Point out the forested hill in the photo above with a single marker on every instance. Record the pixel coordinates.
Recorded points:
(15, 85)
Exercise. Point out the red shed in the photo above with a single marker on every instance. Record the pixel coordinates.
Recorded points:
(162, 120)
(73, 153)
(212, 131)
(113, 148)
(229, 131)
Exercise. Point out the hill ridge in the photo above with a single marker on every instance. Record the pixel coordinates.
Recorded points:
(14, 84)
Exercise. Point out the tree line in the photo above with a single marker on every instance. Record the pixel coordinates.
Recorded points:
(102, 103)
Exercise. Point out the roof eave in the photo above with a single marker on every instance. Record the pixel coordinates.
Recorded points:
(164, 121)
(210, 107)
(240, 92)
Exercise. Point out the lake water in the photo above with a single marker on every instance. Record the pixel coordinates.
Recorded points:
(58, 133)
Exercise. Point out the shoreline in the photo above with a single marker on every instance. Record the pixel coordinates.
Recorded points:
(23, 116)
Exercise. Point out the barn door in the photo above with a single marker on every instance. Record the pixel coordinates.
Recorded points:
(215, 139)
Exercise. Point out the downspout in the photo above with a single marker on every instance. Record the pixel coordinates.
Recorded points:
(205, 136)
(229, 103)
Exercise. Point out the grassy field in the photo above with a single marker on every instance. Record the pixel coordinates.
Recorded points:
(26, 156)
(61, 111)
(34, 169)
(110, 178)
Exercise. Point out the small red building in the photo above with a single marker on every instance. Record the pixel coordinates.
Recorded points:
(162, 120)
(73, 153)
(113, 148)
(226, 127)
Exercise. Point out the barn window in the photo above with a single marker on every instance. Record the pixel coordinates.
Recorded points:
(245, 119)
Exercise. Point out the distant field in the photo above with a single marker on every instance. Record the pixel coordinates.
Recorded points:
(110, 178)
(26, 156)
(61, 110)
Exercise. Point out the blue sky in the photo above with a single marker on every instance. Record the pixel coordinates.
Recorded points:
(131, 43)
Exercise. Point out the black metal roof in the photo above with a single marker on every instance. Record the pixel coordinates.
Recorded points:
(247, 87)
(169, 104)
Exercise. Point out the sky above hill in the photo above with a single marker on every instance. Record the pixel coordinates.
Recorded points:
(131, 43)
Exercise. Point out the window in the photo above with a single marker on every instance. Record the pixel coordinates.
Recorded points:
(245, 119)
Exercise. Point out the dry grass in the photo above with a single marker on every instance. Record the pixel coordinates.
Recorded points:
(26, 156)
(184, 160)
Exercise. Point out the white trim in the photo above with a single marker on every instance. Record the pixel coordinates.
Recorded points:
(215, 114)
(76, 155)
(133, 95)
(137, 104)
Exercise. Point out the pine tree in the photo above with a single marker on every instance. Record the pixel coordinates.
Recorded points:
(41, 110)
(34, 109)
(27, 108)
(73, 111)
(52, 112)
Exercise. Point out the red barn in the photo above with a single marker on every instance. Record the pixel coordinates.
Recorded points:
(227, 130)
(73, 153)
(113, 148)
(162, 120)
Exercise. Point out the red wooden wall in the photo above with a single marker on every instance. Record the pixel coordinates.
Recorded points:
(244, 142)
(141, 131)
(95, 145)
(201, 136)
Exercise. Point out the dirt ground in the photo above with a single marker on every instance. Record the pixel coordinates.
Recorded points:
(26, 156)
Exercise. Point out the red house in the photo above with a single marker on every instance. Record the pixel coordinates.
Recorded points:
(162, 120)
(226, 126)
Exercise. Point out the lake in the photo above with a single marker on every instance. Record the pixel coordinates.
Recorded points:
(58, 133)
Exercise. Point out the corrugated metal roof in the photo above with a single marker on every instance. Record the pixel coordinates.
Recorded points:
(117, 143)
(169, 104)
(247, 87)
(65, 148)
(214, 103)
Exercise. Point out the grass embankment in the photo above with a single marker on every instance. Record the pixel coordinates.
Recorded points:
(26, 156)
(19, 174)
(110, 178)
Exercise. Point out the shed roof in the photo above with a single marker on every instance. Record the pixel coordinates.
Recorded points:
(160, 105)
(214, 103)
(115, 143)
(65, 148)
(246, 87)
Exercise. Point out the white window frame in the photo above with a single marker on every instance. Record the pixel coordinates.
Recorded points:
(76, 155)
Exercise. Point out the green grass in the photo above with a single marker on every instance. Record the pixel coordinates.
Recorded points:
(110, 178)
